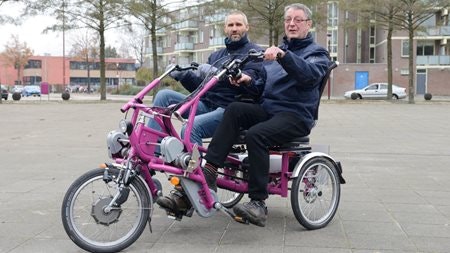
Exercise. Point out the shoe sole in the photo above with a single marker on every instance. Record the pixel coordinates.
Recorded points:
(261, 222)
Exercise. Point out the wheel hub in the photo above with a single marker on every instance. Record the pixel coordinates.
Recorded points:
(101, 216)
(311, 195)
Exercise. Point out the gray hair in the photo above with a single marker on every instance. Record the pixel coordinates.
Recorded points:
(237, 13)
(298, 6)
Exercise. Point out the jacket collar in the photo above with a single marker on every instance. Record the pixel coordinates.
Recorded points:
(234, 45)
(295, 43)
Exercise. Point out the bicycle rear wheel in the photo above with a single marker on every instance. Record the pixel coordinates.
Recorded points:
(315, 193)
(226, 197)
(90, 227)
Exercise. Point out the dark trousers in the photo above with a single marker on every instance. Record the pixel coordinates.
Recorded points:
(263, 132)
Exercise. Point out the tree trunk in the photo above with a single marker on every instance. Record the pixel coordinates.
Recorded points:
(88, 75)
(389, 57)
(411, 88)
(102, 64)
(155, 56)
(154, 46)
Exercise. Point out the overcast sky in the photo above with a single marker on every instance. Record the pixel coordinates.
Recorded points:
(30, 31)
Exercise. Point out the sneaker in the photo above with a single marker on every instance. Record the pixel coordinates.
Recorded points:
(177, 202)
(254, 211)
(211, 178)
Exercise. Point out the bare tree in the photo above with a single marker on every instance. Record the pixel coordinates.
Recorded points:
(96, 15)
(85, 48)
(147, 12)
(136, 46)
(413, 14)
(17, 55)
(382, 13)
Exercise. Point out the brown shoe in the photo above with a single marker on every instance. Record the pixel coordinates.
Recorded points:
(177, 202)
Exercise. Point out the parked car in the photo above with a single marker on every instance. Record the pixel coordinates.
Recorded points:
(376, 91)
(5, 94)
(31, 90)
(17, 88)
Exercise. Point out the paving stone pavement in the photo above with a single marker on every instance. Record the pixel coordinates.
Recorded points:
(395, 156)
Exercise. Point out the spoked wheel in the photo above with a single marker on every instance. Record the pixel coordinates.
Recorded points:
(315, 193)
(226, 197)
(93, 227)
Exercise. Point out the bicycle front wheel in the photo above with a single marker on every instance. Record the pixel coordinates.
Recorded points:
(93, 228)
(315, 193)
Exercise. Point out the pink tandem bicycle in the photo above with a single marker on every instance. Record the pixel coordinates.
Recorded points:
(107, 208)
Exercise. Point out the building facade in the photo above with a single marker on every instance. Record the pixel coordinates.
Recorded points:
(62, 72)
(362, 53)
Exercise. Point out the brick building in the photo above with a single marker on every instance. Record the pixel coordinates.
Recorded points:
(61, 72)
(361, 52)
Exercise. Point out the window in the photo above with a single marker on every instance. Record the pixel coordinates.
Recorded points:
(405, 48)
(333, 14)
(373, 87)
(372, 55)
(34, 64)
(201, 35)
(425, 48)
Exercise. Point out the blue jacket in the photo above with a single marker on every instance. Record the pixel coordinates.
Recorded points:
(223, 93)
(292, 83)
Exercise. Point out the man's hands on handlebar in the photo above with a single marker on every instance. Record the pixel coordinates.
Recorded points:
(271, 54)
(242, 80)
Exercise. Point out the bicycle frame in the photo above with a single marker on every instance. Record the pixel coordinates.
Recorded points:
(143, 139)
(315, 187)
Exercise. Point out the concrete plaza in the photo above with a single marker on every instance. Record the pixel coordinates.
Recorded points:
(395, 156)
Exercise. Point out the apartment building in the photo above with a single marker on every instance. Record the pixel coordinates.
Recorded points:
(61, 72)
(362, 53)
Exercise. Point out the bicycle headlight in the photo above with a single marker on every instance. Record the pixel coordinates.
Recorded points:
(125, 126)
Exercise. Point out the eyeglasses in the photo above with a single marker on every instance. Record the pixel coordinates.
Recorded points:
(296, 20)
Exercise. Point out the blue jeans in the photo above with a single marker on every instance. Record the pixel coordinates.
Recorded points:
(205, 122)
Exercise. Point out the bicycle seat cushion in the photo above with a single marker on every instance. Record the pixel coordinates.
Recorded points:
(294, 142)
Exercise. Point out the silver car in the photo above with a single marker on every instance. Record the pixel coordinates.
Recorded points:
(376, 91)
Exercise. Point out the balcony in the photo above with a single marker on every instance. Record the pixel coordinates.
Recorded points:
(216, 18)
(161, 32)
(435, 31)
(184, 46)
(433, 60)
(188, 25)
(148, 50)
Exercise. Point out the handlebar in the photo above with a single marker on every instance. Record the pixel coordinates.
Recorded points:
(193, 66)
(231, 69)
(140, 96)
(234, 67)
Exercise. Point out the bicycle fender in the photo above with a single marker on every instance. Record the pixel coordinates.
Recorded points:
(312, 155)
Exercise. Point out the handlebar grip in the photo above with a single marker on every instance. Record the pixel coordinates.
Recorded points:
(278, 56)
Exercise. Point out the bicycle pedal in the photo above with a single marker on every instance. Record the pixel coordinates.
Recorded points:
(241, 220)
(189, 212)
(173, 216)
